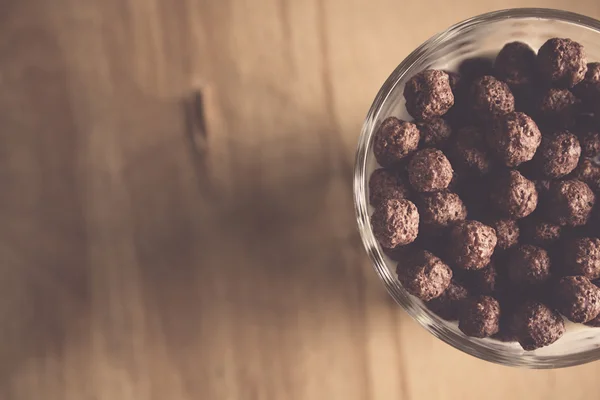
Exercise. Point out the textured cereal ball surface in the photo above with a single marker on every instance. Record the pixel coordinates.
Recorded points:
(513, 195)
(395, 222)
(441, 209)
(562, 62)
(515, 138)
(570, 203)
(469, 151)
(558, 154)
(515, 64)
(424, 275)
(590, 144)
(582, 257)
(480, 317)
(430, 171)
(589, 88)
(449, 303)
(559, 106)
(471, 244)
(589, 172)
(434, 132)
(491, 97)
(538, 232)
(507, 232)
(395, 140)
(428, 94)
(528, 265)
(386, 184)
(536, 325)
(577, 298)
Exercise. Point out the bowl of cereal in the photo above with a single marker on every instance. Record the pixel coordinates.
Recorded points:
(476, 178)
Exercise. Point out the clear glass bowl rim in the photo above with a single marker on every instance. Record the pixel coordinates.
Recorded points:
(442, 332)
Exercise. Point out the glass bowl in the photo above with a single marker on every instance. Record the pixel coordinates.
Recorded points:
(483, 35)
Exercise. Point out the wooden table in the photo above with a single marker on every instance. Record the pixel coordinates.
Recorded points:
(150, 250)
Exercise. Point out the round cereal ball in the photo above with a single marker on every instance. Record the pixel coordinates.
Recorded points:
(538, 232)
(429, 171)
(577, 298)
(558, 155)
(537, 325)
(485, 280)
(590, 144)
(424, 275)
(480, 317)
(428, 94)
(514, 137)
(469, 151)
(507, 232)
(582, 257)
(441, 209)
(516, 64)
(395, 223)
(386, 184)
(513, 195)
(434, 132)
(395, 140)
(562, 62)
(570, 202)
(528, 265)
(471, 244)
(449, 303)
(589, 88)
(491, 98)
(589, 172)
(559, 107)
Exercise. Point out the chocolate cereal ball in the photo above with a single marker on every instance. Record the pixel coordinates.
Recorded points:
(536, 325)
(582, 257)
(590, 144)
(558, 154)
(528, 265)
(386, 184)
(570, 203)
(507, 232)
(559, 107)
(441, 209)
(471, 244)
(538, 232)
(491, 98)
(434, 132)
(562, 62)
(485, 280)
(516, 64)
(577, 298)
(428, 94)
(449, 303)
(395, 223)
(469, 151)
(480, 317)
(589, 172)
(395, 140)
(589, 88)
(514, 138)
(429, 171)
(513, 195)
(424, 275)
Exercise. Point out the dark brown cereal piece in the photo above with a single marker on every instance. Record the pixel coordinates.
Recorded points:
(589, 88)
(589, 172)
(543, 187)
(513, 195)
(424, 275)
(428, 94)
(582, 257)
(536, 325)
(559, 107)
(577, 298)
(434, 132)
(590, 144)
(480, 317)
(514, 138)
(491, 98)
(471, 244)
(485, 280)
(562, 62)
(528, 265)
(516, 64)
(539, 232)
(395, 222)
(570, 202)
(395, 140)
(507, 232)
(469, 151)
(594, 322)
(429, 171)
(386, 184)
(449, 303)
(558, 154)
(441, 209)
(476, 67)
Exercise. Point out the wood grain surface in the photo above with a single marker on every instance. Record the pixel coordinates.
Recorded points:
(155, 248)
